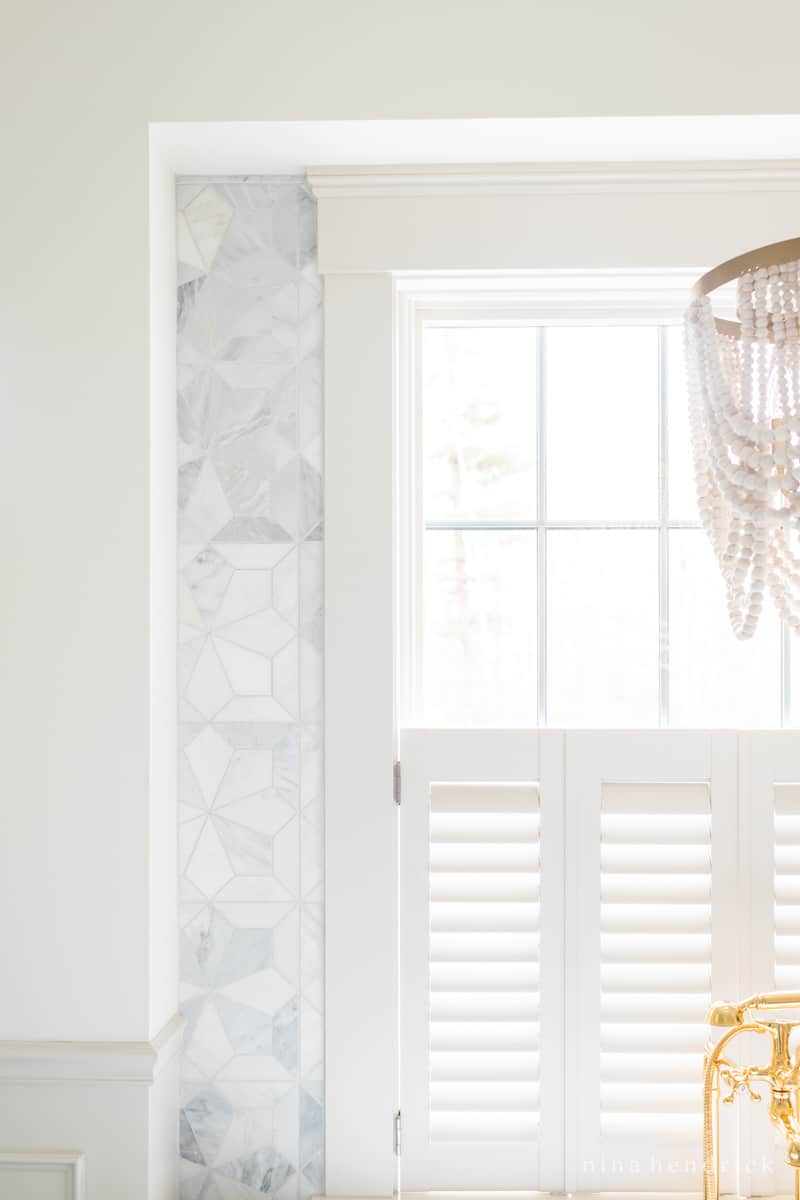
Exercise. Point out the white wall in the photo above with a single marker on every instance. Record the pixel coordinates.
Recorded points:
(78, 87)
(86, 592)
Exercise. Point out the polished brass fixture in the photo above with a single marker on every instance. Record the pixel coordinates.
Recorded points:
(763, 1014)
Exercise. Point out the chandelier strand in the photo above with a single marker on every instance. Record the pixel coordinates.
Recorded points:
(744, 420)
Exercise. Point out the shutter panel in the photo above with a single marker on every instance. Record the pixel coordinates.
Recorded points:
(651, 836)
(655, 956)
(481, 960)
(484, 961)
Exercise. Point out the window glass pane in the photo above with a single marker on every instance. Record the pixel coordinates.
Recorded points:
(716, 680)
(480, 627)
(602, 423)
(479, 423)
(602, 628)
(682, 500)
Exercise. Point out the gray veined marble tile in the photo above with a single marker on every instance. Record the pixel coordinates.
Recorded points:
(190, 793)
(249, 771)
(249, 672)
(311, 681)
(312, 1042)
(247, 592)
(208, 864)
(208, 1114)
(186, 188)
(208, 215)
(306, 226)
(312, 954)
(207, 576)
(310, 581)
(189, 1146)
(285, 1029)
(248, 468)
(285, 677)
(188, 475)
(208, 689)
(209, 756)
(207, 510)
(250, 645)
(311, 859)
(266, 811)
(211, 412)
(264, 632)
(310, 497)
(309, 398)
(249, 1029)
(264, 1171)
(249, 852)
(311, 1133)
(285, 583)
(215, 953)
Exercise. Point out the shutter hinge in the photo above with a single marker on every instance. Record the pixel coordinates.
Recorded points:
(398, 1129)
(397, 783)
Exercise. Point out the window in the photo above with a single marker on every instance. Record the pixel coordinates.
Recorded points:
(571, 902)
(562, 577)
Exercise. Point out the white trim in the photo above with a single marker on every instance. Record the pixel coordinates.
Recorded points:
(550, 296)
(449, 220)
(538, 298)
(562, 179)
(90, 1062)
(539, 216)
(360, 737)
(273, 147)
(70, 1163)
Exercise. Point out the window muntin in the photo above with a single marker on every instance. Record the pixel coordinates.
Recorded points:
(555, 464)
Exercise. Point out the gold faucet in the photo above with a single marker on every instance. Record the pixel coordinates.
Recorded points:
(758, 1014)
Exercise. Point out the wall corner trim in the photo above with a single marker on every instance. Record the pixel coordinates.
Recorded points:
(90, 1062)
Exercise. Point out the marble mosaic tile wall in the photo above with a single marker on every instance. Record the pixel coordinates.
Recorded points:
(250, 655)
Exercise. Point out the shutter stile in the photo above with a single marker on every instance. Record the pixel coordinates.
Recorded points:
(484, 1027)
(655, 956)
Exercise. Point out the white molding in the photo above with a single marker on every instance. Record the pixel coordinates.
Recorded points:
(68, 1162)
(90, 1062)
(551, 297)
(361, 990)
(562, 179)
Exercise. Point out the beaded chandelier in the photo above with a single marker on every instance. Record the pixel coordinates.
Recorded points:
(744, 413)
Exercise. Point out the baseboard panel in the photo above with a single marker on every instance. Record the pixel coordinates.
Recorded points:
(41, 1175)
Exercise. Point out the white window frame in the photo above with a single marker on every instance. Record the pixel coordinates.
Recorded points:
(542, 301)
(374, 227)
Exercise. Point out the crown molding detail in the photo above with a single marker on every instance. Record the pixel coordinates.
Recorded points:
(90, 1062)
(540, 179)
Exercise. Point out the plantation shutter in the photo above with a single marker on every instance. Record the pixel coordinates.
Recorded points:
(655, 955)
(483, 992)
(570, 905)
(653, 821)
(481, 942)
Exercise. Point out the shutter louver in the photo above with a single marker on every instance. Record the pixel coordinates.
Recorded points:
(484, 962)
(787, 886)
(655, 950)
